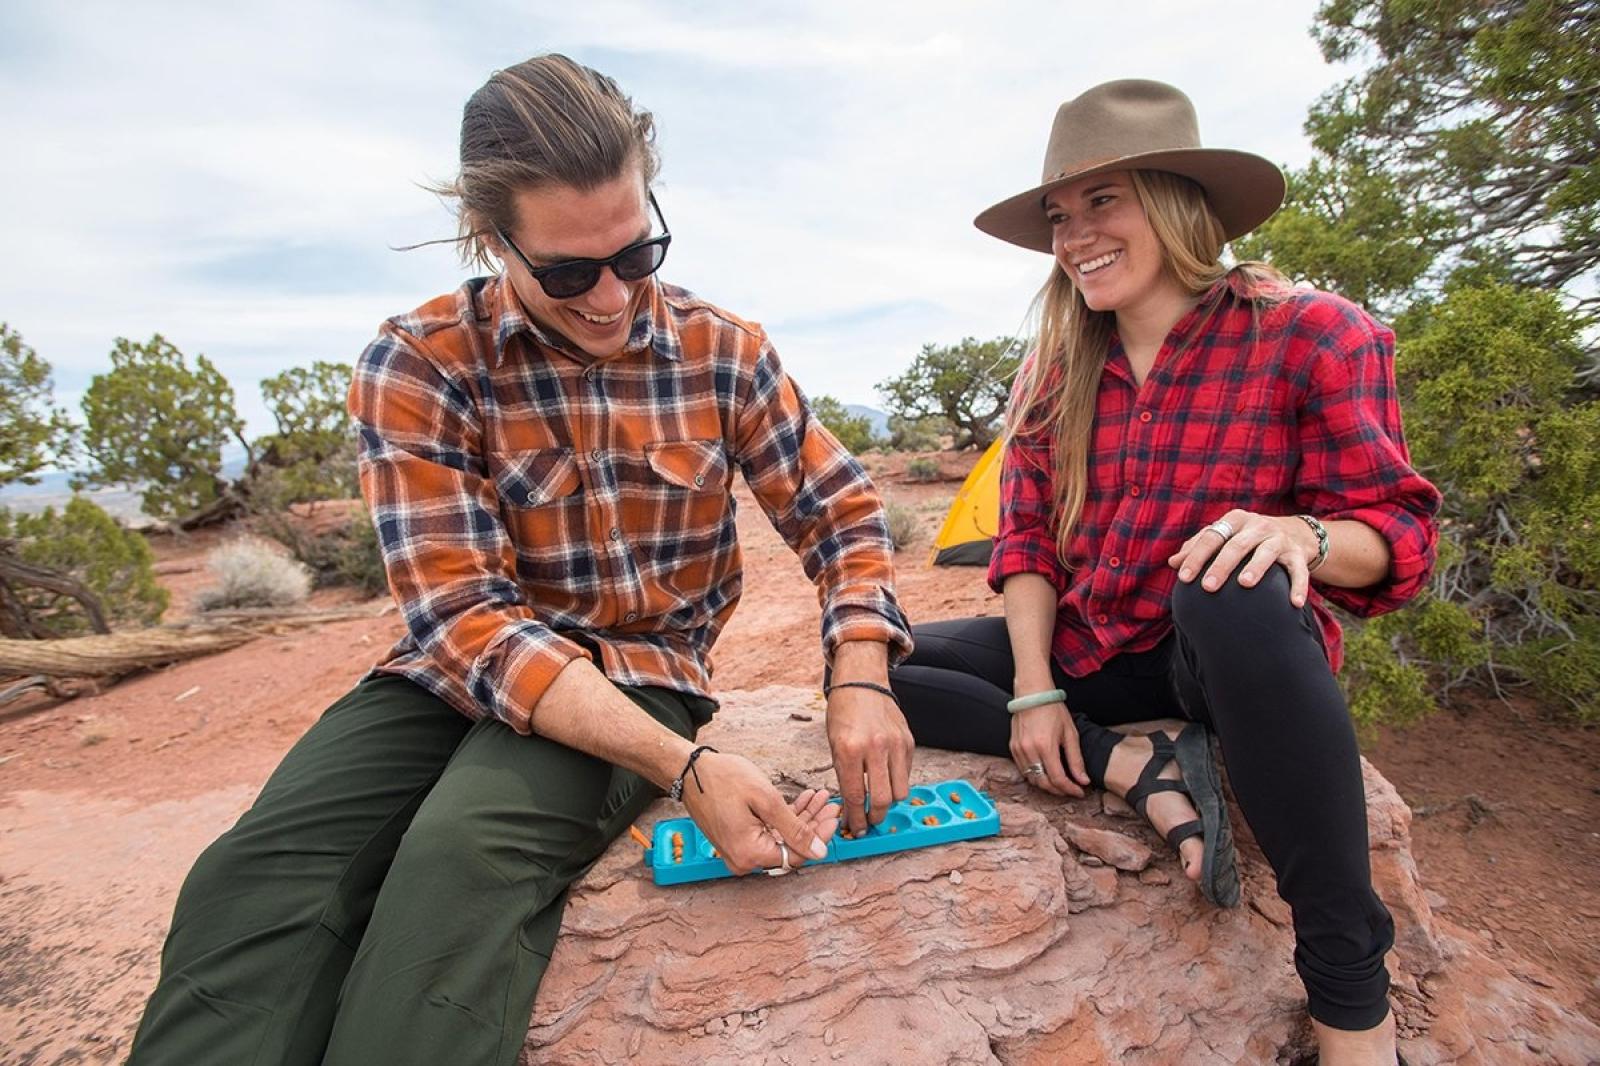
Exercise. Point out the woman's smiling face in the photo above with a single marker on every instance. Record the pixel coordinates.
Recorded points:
(1102, 239)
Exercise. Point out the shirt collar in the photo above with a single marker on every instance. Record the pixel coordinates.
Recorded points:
(652, 326)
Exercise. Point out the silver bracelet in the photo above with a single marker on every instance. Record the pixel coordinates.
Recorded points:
(1322, 541)
(1037, 699)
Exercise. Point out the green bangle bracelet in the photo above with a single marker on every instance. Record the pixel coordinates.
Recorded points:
(1037, 699)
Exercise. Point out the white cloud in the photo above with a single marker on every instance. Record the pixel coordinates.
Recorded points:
(234, 177)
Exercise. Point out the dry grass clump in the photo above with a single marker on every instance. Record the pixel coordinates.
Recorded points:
(923, 470)
(251, 572)
(904, 525)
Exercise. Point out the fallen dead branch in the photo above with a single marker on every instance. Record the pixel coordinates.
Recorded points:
(112, 655)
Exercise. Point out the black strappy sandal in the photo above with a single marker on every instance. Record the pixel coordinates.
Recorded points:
(1219, 871)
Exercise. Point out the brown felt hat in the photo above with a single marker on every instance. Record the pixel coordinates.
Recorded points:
(1144, 125)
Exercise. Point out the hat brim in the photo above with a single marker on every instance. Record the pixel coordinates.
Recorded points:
(1243, 189)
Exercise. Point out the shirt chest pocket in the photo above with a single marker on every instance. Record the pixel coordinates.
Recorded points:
(696, 465)
(687, 493)
(540, 503)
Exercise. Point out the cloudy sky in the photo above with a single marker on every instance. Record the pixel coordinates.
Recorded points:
(234, 176)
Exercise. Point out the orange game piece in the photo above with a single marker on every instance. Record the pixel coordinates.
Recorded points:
(955, 797)
(969, 814)
(930, 820)
(916, 802)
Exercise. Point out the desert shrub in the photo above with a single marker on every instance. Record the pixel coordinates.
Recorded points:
(313, 454)
(967, 384)
(153, 420)
(1497, 418)
(918, 434)
(923, 469)
(904, 528)
(251, 572)
(85, 543)
(34, 432)
(347, 555)
(853, 431)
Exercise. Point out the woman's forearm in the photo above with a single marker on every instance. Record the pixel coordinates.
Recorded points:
(1030, 601)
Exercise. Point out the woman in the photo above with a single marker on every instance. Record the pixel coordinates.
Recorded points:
(1197, 459)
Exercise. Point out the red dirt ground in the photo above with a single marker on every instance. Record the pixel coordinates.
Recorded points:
(1508, 797)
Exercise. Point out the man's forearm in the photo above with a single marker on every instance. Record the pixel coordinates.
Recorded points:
(861, 660)
(584, 710)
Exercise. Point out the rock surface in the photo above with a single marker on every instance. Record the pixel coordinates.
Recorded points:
(1071, 937)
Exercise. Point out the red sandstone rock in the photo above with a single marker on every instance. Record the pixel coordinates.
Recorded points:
(1028, 957)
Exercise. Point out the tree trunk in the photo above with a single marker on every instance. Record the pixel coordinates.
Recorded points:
(14, 571)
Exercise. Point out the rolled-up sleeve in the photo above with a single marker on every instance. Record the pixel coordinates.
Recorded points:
(1025, 542)
(1355, 464)
(449, 560)
(822, 503)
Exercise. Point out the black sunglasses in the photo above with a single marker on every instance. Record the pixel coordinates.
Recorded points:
(574, 277)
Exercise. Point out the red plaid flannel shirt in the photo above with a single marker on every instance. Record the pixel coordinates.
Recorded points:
(535, 505)
(1280, 409)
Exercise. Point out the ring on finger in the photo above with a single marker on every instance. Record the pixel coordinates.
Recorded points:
(783, 850)
(1222, 528)
(1034, 768)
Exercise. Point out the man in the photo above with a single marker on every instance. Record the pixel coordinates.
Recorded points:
(548, 458)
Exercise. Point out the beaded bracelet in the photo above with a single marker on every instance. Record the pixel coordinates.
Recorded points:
(1322, 541)
(1037, 699)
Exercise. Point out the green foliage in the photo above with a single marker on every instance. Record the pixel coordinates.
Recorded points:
(153, 420)
(34, 433)
(1483, 111)
(313, 454)
(967, 384)
(922, 469)
(347, 555)
(86, 543)
(1383, 686)
(1496, 419)
(853, 431)
(1350, 230)
(918, 434)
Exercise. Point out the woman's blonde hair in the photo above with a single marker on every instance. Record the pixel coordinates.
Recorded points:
(1061, 380)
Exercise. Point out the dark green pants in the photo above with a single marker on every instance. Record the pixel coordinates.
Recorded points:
(394, 893)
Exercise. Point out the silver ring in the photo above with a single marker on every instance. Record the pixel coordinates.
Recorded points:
(1222, 528)
(783, 850)
(1034, 768)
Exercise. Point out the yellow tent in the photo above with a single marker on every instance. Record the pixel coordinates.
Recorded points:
(968, 534)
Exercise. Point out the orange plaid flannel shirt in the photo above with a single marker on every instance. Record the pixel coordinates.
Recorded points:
(534, 504)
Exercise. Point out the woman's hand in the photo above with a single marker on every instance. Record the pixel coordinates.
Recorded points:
(1264, 539)
(1039, 737)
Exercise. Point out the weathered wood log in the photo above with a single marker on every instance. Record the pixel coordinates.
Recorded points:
(115, 654)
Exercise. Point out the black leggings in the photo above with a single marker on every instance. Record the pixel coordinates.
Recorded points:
(1251, 666)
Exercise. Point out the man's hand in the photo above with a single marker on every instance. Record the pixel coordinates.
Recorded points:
(872, 747)
(745, 817)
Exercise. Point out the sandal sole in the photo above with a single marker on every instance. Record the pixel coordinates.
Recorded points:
(1219, 871)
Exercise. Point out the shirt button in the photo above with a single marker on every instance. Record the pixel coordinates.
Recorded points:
(630, 616)
(588, 375)
(595, 455)
(699, 479)
(1102, 619)
(1114, 561)
(1145, 416)
(1133, 490)
(616, 534)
